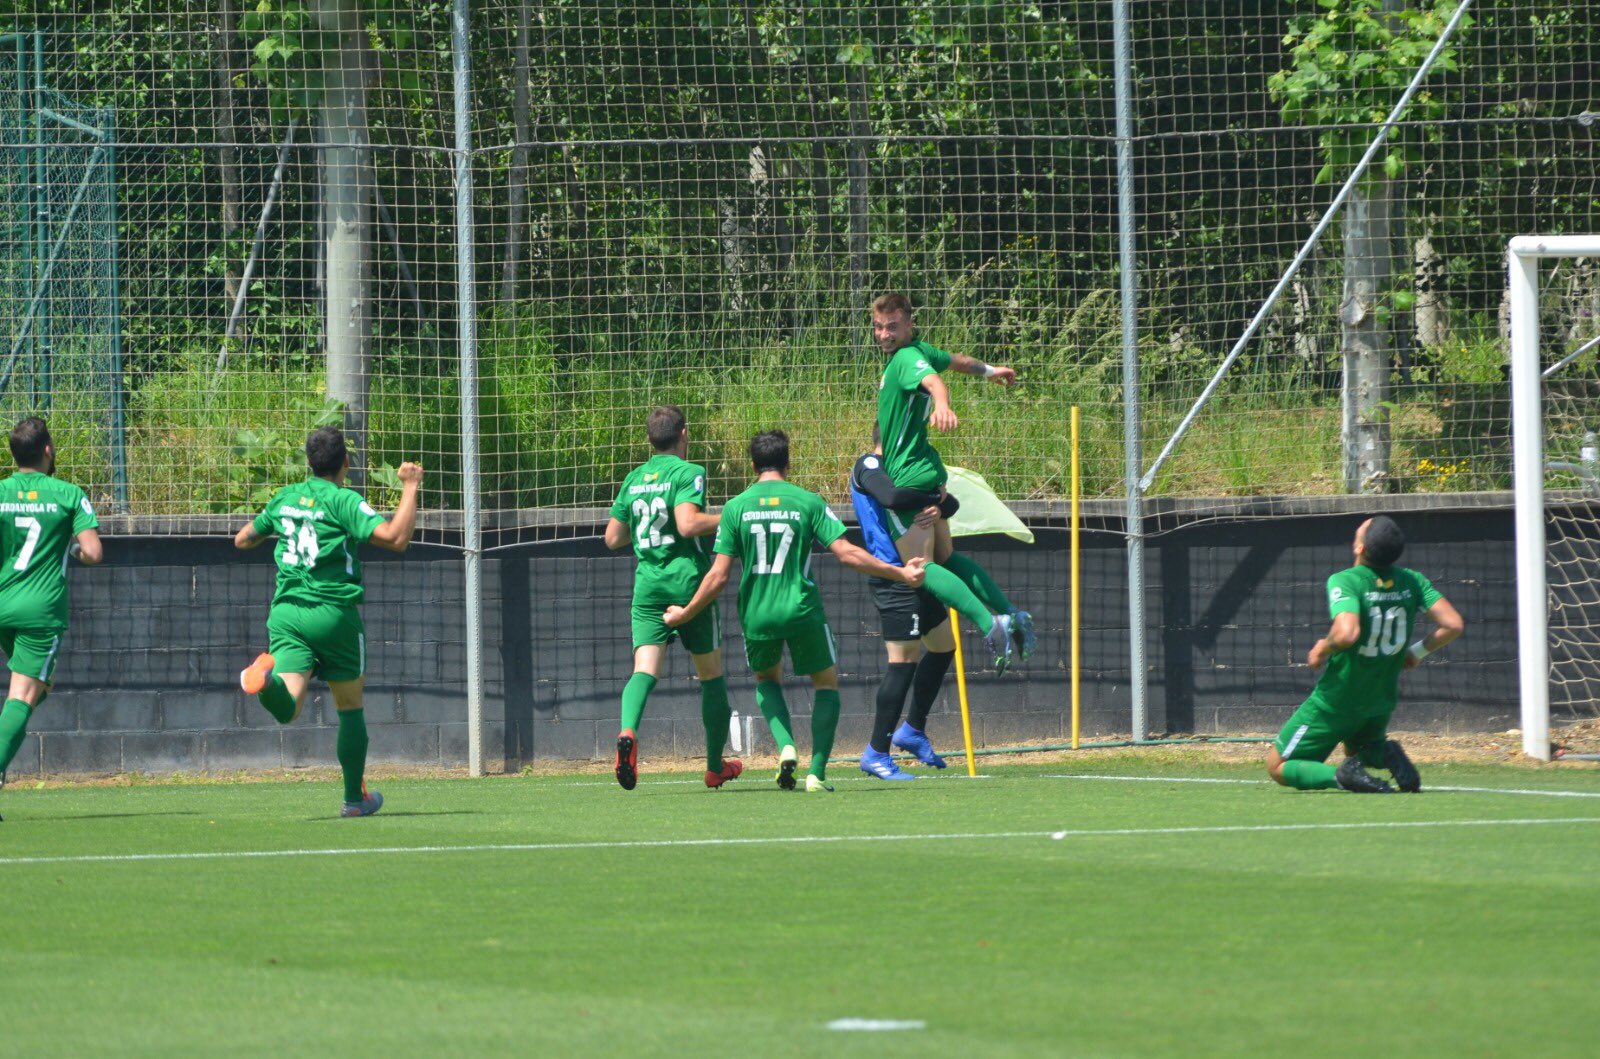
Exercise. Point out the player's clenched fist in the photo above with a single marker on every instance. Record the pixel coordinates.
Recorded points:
(410, 472)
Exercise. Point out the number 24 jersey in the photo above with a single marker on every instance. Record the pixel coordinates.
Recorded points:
(320, 526)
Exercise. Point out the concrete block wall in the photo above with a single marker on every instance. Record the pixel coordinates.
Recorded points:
(148, 670)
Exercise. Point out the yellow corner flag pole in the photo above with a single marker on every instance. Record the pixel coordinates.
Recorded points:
(961, 692)
(1073, 633)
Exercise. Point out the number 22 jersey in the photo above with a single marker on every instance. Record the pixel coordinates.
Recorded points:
(670, 566)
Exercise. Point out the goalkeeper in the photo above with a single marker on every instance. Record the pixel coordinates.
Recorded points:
(1374, 605)
(910, 396)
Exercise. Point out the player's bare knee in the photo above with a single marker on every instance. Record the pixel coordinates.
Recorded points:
(707, 666)
(770, 676)
(826, 680)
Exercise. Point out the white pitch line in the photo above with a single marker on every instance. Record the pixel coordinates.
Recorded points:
(1267, 783)
(782, 840)
(836, 779)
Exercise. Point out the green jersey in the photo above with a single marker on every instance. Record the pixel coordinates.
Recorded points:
(770, 528)
(1365, 679)
(320, 525)
(39, 517)
(903, 410)
(670, 567)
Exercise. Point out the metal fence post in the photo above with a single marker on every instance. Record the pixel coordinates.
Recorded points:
(467, 309)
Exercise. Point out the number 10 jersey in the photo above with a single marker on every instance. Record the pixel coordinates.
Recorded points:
(1365, 679)
(320, 526)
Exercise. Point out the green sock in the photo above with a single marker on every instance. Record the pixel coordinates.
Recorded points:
(769, 699)
(977, 578)
(352, 750)
(634, 695)
(1310, 775)
(715, 714)
(953, 592)
(13, 727)
(824, 722)
(276, 698)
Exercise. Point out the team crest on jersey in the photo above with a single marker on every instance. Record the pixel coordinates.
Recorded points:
(307, 501)
(768, 501)
(652, 476)
(33, 494)
(1385, 584)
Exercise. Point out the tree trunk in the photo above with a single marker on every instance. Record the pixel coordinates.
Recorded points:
(1368, 357)
(347, 201)
(1432, 322)
(856, 169)
(511, 264)
(224, 42)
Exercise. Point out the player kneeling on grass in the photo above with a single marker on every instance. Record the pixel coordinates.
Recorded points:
(314, 627)
(43, 522)
(1374, 606)
(660, 511)
(770, 528)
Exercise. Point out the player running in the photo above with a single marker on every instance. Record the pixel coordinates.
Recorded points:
(314, 627)
(770, 528)
(43, 523)
(917, 633)
(910, 396)
(1374, 605)
(660, 511)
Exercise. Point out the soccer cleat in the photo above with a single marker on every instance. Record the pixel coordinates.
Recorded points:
(254, 677)
(999, 640)
(917, 743)
(1401, 768)
(1352, 777)
(814, 785)
(787, 762)
(627, 759)
(371, 802)
(731, 768)
(1022, 634)
(876, 763)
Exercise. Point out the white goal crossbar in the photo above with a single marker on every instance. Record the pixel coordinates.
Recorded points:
(1528, 474)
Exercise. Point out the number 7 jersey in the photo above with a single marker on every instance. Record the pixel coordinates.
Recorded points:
(39, 517)
(320, 526)
(1365, 679)
(670, 567)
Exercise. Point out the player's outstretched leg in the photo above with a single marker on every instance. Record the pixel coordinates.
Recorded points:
(634, 696)
(1400, 767)
(769, 700)
(925, 685)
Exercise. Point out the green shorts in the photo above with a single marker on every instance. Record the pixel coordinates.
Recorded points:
(322, 639)
(899, 522)
(810, 651)
(1316, 729)
(701, 636)
(31, 652)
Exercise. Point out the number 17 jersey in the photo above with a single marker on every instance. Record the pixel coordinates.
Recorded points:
(1365, 679)
(769, 528)
(320, 526)
(670, 566)
(39, 517)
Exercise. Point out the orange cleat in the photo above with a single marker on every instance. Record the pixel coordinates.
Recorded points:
(731, 768)
(627, 759)
(254, 677)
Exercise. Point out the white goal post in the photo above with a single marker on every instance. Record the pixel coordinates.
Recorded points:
(1528, 474)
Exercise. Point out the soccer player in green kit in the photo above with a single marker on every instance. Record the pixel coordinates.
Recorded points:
(43, 523)
(1374, 605)
(770, 528)
(315, 627)
(660, 512)
(910, 396)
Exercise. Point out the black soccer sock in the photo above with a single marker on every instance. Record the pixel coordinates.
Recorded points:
(891, 700)
(926, 684)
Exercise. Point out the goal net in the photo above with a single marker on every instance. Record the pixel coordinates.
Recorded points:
(1555, 339)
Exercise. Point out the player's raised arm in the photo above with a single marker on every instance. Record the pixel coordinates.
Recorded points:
(973, 366)
(711, 587)
(1447, 626)
(912, 573)
(395, 534)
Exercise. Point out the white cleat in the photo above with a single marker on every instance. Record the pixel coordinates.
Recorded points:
(814, 785)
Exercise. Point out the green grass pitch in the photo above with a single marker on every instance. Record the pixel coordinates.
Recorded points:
(1189, 909)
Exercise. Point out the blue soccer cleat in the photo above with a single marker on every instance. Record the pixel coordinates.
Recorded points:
(876, 763)
(914, 742)
(999, 640)
(1022, 634)
(370, 803)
